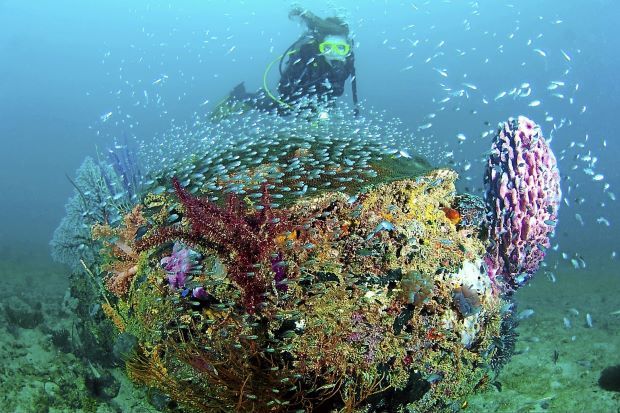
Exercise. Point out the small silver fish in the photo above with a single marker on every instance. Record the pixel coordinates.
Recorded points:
(579, 219)
(602, 220)
(425, 126)
(442, 72)
(541, 52)
(567, 57)
(525, 314)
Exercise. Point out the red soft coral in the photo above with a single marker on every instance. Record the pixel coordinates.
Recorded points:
(244, 239)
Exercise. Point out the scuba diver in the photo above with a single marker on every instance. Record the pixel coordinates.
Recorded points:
(317, 67)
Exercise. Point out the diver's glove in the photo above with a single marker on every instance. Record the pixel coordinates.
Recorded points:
(311, 20)
(296, 11)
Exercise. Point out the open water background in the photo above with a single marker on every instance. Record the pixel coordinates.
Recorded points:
(65, 64)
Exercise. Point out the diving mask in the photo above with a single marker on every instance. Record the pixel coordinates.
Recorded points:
(335, 48)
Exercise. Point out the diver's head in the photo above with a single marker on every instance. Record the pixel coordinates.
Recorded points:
(335, 48)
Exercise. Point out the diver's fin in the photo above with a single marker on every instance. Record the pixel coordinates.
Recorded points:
(234, 103)
(239, 92)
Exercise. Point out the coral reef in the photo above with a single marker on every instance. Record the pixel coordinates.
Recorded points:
(299, 158)
(127, 173)
(62, 340)
(182, 263)
(244, 240)
(121, 262)
(522, 196)
(472, 211)
(370, 306)
(291, 265)
(88, 206)
(103, 193)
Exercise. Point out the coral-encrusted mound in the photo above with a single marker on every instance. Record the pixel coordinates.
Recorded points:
(366, 303)
(522, 185)
(279, 265)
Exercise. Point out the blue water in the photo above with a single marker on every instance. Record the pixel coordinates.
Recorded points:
(66, 64)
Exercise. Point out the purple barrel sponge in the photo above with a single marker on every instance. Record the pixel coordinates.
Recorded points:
(180, 265)
(522, 196)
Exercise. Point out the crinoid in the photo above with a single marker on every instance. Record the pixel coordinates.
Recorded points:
(244, 239)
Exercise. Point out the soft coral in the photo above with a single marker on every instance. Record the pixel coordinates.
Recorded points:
(245, 240)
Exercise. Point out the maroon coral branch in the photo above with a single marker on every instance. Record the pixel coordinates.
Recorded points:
(245, 239)
(166, 234)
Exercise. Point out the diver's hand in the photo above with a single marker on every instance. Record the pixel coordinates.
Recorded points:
(295, 11)
(356, 112)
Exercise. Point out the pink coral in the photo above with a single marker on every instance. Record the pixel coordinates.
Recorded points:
(179, 265)
(522, 197)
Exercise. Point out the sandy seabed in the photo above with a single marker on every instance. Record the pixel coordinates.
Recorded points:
(555, 368)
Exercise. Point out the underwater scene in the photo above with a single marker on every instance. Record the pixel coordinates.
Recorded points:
(318, 206)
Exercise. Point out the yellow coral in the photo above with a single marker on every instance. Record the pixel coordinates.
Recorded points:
(113, 315)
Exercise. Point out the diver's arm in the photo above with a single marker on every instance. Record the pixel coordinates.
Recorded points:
(311, 20)
(314, 23)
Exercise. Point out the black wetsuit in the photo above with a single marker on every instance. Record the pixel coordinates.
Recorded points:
(308, 73)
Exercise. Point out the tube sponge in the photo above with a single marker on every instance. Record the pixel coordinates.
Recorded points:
(522, 196)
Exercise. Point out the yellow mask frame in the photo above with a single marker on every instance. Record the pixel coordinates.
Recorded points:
(336, 47)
